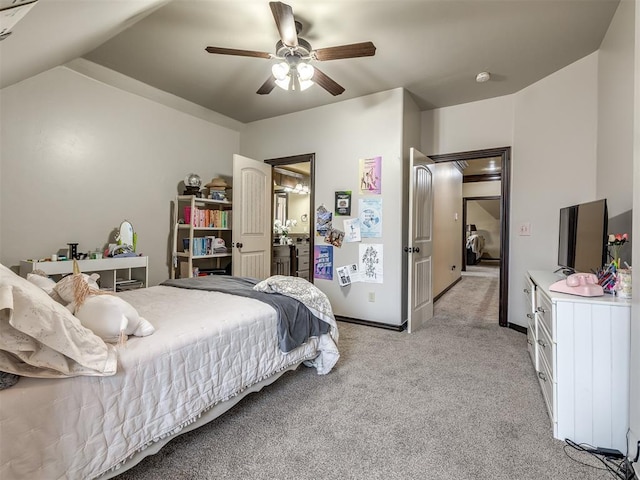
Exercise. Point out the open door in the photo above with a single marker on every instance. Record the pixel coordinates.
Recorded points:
(420, 248)
(251, 237)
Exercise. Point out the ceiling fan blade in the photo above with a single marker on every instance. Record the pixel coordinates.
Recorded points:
(283, 15)
(267, 86)
(241, 53)
(326, 82)
(364, 49)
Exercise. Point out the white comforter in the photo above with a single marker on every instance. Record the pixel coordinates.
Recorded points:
(207, 348)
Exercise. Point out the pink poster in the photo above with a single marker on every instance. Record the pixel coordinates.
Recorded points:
(323, 262)
(371, 176)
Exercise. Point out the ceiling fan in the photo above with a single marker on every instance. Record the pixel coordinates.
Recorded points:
(294, 71)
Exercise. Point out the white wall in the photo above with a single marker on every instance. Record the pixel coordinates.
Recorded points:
(554, 165)
(298, 206)
(447, 225)
(79, 156)
(615, 111)
(470, 126)
(481, 189)
(552, 126)
(340, 134)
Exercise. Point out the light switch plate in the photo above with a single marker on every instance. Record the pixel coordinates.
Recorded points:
(525, 229)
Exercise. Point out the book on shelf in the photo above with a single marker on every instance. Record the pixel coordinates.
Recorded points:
(207, 218)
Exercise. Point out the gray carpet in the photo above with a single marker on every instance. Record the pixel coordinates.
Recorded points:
(456, 400)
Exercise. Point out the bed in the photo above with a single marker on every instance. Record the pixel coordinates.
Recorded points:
(208, 351)
(475, 248)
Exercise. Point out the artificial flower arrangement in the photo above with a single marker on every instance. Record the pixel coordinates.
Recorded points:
(615, 242)
(609, 276)
(284, 228)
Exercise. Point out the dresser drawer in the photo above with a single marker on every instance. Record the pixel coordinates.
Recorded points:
(546, 350)
(282, 251)
(302, 249)
(303, 263)
(529, 291)
(546, 385)
(543, 310)
(303, 274)
(532, 343)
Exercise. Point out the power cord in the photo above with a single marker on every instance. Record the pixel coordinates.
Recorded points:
(618, 468)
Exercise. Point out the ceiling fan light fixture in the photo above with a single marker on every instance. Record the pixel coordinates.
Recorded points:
(305, 71)
(280, 70)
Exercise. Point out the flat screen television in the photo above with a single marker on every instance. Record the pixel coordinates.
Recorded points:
(582, 244)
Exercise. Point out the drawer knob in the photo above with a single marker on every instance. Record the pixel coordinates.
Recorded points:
(542, 376)
(542, 344)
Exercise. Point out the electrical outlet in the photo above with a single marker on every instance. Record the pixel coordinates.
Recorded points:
(372, 296)
(525, 229)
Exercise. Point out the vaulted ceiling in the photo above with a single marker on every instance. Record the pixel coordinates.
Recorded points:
(432, 48)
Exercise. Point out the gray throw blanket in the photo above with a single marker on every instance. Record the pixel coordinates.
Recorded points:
(296, 324)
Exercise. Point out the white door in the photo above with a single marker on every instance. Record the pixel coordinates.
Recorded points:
(251, 218)
(419, 250)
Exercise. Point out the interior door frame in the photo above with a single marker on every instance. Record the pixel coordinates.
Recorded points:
(505, 193)
(303, 158)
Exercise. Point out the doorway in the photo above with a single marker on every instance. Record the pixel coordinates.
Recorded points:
(504, 155)
(292, 207)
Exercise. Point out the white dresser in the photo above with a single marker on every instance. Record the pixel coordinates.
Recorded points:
(580, 348)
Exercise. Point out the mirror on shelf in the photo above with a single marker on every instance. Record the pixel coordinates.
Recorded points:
(126, 235)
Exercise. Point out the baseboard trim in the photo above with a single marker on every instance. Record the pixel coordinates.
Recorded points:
(369, 323)
(437, 297)
(518, 328)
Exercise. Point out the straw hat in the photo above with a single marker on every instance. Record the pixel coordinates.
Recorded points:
(217, 183)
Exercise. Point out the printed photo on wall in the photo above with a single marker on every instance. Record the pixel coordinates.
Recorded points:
(344, 275)
(352, 230)
(348, 274)
(323, 221)
(370, 217)
(371, 176)
(334, 237)
(323, 262)
(370, 262)
(343, 203)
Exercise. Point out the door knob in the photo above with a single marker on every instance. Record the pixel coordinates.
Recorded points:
(417, 249)
(406, 249)
(239, 245)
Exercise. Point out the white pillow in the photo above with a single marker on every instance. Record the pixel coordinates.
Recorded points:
(40, 338)
(110, 317)
(45, 283)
